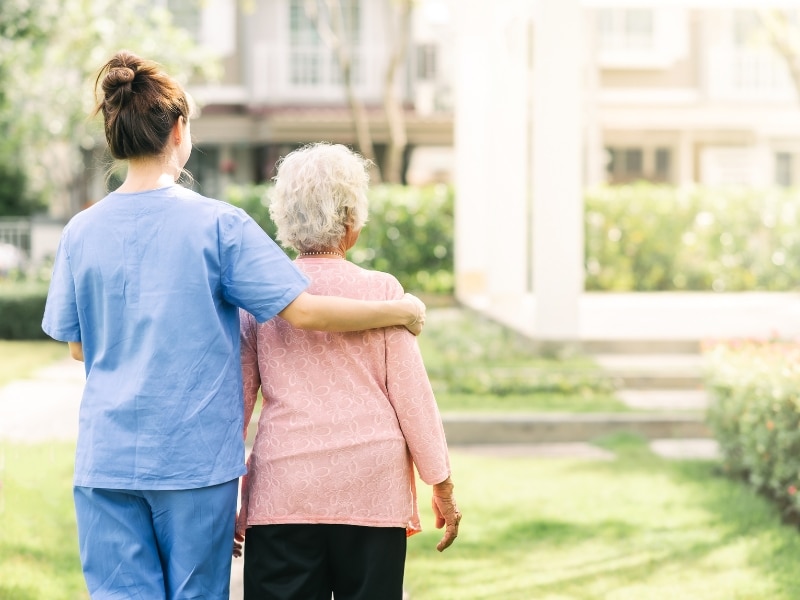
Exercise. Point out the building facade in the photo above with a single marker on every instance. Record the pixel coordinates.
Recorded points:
(673, 92)
(282, 83)
(575, 93)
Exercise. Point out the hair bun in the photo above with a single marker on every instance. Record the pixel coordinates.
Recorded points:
(120, 76)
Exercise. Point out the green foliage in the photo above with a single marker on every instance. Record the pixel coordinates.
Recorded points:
(50, 52)
(409, 233)
(19, 359)
(476, 364)
(652, 238)
(21, 310)
(15, 198)
(755, 415)
(641, 237)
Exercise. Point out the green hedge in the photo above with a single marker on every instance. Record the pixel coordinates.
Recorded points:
(640, 237)
(21, 310)
(755, 415)
(646, 237)
(409, 232)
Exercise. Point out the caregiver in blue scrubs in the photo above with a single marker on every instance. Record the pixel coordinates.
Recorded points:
(146, 289)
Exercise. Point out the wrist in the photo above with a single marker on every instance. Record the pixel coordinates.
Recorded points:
(443, 488)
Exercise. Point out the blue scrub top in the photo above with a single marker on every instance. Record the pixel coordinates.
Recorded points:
(150, 284)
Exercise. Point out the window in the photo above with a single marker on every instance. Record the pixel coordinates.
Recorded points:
(426, 62)
(629, 163)
(783, 169)
(627, 29)
(663, 164)
(311, 61)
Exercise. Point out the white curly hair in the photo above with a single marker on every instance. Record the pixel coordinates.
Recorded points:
(319, 189)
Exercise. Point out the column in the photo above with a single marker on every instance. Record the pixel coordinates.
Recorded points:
(557, 169)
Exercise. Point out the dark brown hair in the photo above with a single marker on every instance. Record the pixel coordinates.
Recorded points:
(140, 105)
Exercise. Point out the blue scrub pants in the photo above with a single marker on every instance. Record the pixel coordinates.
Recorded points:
(157, 544)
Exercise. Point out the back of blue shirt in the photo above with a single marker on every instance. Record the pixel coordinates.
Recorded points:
(150, 284)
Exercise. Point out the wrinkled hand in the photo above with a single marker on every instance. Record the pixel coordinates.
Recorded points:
(238, 544)
(446, 512)
(418, 308)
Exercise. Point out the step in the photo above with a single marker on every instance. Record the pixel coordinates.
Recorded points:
(654, 371)
(533, 428)
(635, 346)
(661, 399)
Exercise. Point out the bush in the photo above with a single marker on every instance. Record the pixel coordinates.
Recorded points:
(21, 310)
(755, 415)
(646, 237)
(409, 233)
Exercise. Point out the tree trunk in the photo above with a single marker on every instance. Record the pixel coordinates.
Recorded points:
(395, 116)
(333, 34)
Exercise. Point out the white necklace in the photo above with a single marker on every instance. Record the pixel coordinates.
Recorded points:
(339, 254)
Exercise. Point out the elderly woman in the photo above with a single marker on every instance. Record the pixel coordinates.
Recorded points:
(329, 497)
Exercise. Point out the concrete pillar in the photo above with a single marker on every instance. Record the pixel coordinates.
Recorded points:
(557, 169)
(492, 149)
(473, 111)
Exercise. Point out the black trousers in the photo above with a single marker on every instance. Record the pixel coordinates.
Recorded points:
(311, 562)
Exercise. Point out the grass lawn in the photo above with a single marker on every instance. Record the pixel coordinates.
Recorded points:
(38, 539)
(638, 527)
(635, 528)
(18, 359)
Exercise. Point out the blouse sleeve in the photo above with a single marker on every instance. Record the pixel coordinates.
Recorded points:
(411, 395)
(251, 377)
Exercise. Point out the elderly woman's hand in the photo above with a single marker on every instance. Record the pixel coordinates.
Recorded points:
(418, 309)
(447, 513)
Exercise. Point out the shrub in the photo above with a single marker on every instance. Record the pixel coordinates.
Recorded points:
(755, 415)
(21, 310)
(647, 237)
(409, 232)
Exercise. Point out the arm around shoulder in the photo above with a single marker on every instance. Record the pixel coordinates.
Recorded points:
(330, 313)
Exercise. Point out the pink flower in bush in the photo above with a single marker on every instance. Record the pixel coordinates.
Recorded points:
(792, 490)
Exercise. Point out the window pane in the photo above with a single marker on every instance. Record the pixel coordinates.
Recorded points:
(612, 161)
(663, 163)
(783, 169)
(633, 161)
(426, 62)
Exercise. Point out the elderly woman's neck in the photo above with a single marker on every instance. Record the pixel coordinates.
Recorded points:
(326, 253)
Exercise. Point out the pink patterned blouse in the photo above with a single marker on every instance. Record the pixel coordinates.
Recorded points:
(343, 418)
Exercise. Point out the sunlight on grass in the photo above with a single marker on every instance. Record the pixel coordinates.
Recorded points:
(634, 528)
(19, 359)
(38, 539)
(637, 527)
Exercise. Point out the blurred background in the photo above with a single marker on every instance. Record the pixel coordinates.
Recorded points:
(586, 193)
(519, 146)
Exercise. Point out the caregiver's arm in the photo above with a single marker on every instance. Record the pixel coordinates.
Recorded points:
(76, 350)
(331, 313)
